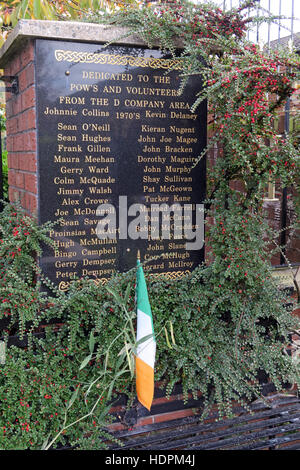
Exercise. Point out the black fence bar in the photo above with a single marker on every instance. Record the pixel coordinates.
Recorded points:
(1, 174)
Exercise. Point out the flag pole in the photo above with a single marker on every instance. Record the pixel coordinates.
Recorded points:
(145, 357)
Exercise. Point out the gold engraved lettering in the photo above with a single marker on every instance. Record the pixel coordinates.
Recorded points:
(180, 264)
(180, 149)
(65, 180)
(182, 198)
(180, 170)
(175, 189)
(65, 264)
(162, 79)
(151, 149)
(60, 159)
(99, 252)
(95, 138)
(157, 198)
(64, 244)
(70, 202)
(144, 104)
(64, 254)
(95, 127)
(125, 77)
(155, 114)
(182, 160)
(95, 190)
(112, 89)
(100, 170)
(94, 112)
(147, 139)
(178, 179)
(71, 170)
(99, 101)
(186, 140)
(182, 130)
(147, 128)
(154, 159)
(72, 100)
(155, 247)
(181, 115)
(75, 148)
(100, 159)
(67, 233)
(61, 213)
(66, 127)
(97, 148)
(97, 241)
(149, 189)
(61, 112)
(69, 192)
(150, 179)
(145, 91)
(153, 267)
(152, 169)
(165, 139)
(84, 87)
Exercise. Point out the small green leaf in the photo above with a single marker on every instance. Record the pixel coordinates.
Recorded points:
(85, 361)
(116, 295)
(2, 352)
(143, 339)
(73, 398)
(126, 297)
(37, 8)
(103, 415)
(129, 361)
(45, 443)
(167, 338)
(109, 393)
(92, 342)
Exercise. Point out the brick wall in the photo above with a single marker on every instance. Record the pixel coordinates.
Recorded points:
(21, 130)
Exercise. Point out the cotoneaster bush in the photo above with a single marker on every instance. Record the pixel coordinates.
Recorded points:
(215, 330)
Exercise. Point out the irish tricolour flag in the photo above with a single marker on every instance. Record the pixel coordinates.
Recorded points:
(146, 345)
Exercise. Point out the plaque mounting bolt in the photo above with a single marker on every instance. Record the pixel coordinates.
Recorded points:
(13, 80)
(67, 72)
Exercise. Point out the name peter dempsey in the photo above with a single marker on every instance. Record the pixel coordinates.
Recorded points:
(151, 459)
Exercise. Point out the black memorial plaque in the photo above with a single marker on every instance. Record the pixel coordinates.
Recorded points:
(113, 130)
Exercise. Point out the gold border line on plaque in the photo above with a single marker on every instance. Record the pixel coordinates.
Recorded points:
(173, 275)
(170, 275)
(64, 285)
(62, 55)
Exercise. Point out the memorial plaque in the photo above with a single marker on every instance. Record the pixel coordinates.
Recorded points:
(116, 149)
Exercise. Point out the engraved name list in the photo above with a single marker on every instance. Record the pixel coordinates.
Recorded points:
(111, 123)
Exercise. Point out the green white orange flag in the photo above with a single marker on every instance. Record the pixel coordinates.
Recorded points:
(145, 357)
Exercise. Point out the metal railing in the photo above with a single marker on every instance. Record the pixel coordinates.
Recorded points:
(285, 22)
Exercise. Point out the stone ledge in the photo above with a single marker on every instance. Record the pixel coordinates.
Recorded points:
(64, 30)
